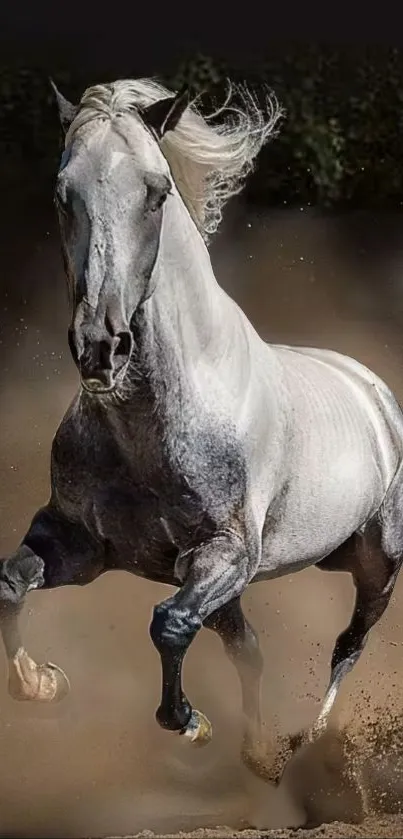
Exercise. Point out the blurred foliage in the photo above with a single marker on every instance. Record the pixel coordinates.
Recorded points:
(340, 142)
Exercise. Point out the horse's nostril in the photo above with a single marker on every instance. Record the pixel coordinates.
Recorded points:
(124, 345)
(105, 355)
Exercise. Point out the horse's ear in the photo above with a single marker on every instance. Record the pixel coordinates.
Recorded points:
(67, 111)
(165, 114)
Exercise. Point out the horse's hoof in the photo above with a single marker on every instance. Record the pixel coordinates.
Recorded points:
(267, 761)
(285, 751)
(36, 682)
(199, 729)
(54, 684)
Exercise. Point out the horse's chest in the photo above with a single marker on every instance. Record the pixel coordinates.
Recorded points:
(147, 497)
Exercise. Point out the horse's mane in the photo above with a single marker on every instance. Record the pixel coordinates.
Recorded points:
(208, 162)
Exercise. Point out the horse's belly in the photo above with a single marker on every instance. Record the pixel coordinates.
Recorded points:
(340, 460)
(321, 508)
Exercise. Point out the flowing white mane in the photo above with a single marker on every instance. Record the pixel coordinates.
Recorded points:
(208, 162)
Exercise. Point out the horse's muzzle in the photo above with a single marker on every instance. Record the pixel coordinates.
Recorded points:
(102, 360)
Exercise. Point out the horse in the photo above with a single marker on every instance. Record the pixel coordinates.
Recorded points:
(194, 453)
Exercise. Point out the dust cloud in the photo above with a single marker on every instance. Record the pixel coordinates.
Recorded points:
(98, 764)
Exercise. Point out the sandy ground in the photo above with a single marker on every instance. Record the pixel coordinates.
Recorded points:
(98, 764)
(387, 827)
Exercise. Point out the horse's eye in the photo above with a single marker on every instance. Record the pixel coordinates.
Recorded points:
(156, 197)
(161, 200)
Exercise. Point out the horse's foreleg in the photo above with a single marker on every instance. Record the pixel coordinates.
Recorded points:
(20, 573)
(242, 647)
(216, 573)
(43, 560)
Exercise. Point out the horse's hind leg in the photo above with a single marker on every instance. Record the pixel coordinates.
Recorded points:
(242, 647)
(374, 563)
(373, 557)
(374, 566)
(53, 553)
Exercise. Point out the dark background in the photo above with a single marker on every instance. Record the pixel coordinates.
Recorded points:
(338, 73)
(312, 250)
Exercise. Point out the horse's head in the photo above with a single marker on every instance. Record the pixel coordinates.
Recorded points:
(111, 187)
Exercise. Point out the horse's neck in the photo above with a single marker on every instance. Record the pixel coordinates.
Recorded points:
(187, 318)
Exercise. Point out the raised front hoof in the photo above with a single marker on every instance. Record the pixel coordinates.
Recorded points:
(31, 682)
(198, 730)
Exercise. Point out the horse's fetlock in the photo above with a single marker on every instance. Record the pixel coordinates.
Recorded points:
(19, 574)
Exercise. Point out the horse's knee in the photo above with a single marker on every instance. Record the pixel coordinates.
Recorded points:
(20, 573)
(173, 628)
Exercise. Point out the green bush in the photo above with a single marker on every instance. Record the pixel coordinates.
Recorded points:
(339, 144)
(342, 137)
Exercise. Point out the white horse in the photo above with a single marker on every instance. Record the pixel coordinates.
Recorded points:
(194, 453)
